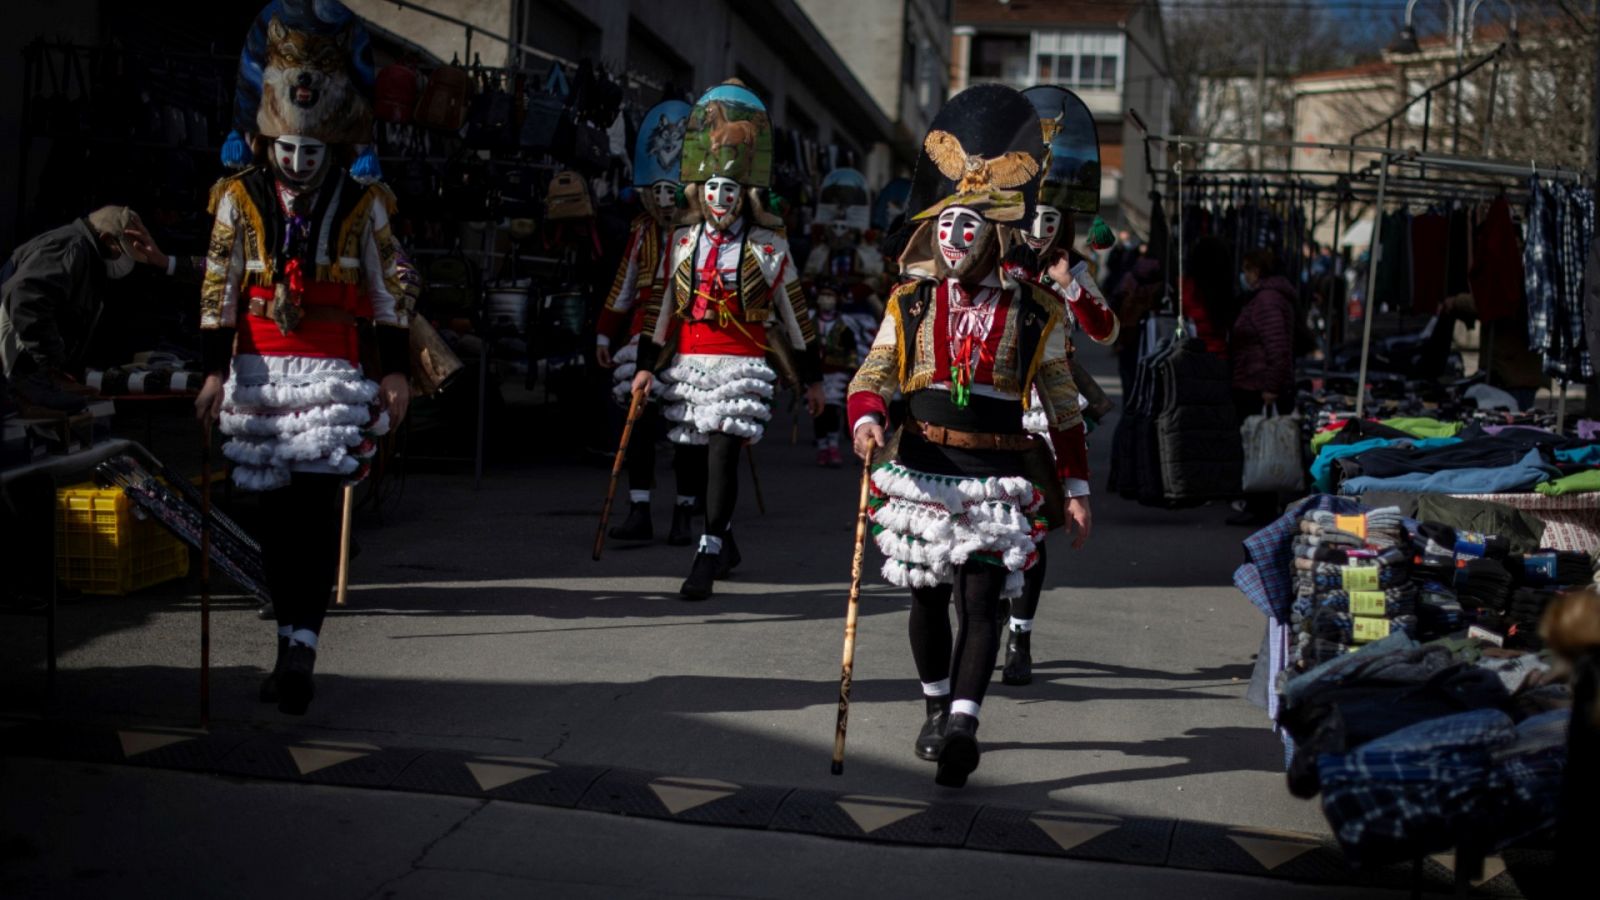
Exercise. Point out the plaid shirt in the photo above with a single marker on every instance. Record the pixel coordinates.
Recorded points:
(1560, 225)
(1445, 783)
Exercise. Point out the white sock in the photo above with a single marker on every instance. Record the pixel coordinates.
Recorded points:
(639, 496)
(710, 544)
(965, 708)
(936, 688)
(1021, 624)
(305, 637)
(685, 501)
(285, 630)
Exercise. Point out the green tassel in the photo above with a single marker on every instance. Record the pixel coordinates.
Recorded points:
(1100, 235)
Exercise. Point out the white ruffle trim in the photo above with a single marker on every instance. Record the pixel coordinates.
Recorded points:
(290, 414)
(627, 365)
(929, 524)
(834, 386)
(711, 394)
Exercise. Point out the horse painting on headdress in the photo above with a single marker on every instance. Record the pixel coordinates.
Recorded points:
(725, 132)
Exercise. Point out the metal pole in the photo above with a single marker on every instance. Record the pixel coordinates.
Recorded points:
(1371, 305)
(1327, 300)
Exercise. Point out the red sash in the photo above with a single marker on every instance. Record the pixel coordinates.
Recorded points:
(314, 338)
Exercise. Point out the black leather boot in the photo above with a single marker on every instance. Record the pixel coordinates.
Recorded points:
(294, 685)
(729, 557)
(636, 527)
(1019, 657)
(958, 758)
(702, 577)
(269, 685)
(931, 738)
(682, 533)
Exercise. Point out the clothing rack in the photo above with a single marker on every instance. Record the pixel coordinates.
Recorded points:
(1387, 158)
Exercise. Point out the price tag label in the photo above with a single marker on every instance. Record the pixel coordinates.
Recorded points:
(1360, 578)
(1367, 603)
(1356, 525)
(1368, 630)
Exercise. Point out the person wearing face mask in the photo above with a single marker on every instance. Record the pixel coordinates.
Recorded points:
(839, 361)
(51, 293)
(844, 212)
(1261, 359)
(956, 513)
(1068, 183)
(301, 262)
(733, 300)
(630, 309)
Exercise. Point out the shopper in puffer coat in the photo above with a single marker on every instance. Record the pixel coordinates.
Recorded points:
(1261, 352)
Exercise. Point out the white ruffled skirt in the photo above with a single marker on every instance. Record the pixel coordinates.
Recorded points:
(708, 394)
(288, 414)
(926, 525)
(626, 363)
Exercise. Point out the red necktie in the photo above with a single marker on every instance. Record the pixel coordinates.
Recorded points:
(710, 285)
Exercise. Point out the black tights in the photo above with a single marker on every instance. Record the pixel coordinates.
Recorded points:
(722, 482)
(1025, 606)
(689, 470)
(299, 537)
(967, 658)
(642, 451)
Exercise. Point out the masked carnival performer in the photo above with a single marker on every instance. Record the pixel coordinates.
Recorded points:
(956, 512)
(1069, 184)
(841, 343)
(632, 307)
(733, 300)
(301, 308)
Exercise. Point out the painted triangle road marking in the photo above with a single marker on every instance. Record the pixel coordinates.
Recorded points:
(1274, 848)
(344, 745)
(683, 794)
(1070, 830)
(1493, 867)
(873, 813)
(137, 742)
(312, 759)
(493, 775)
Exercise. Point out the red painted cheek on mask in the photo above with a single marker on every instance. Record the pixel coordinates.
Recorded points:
(944, 235)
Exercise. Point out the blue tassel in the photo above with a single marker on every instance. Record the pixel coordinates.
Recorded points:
(367, 169)
(235, 152)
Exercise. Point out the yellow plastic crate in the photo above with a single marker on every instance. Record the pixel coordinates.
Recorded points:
(103, 548)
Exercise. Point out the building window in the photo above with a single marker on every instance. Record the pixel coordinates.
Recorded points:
(1000, 57)
(1083, 61)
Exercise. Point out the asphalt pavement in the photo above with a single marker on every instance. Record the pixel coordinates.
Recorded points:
(478, 623)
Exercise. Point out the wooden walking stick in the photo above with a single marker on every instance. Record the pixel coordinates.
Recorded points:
(761, 502)
(635, 410)
(340, 597)
(205, 572)
(847, 668)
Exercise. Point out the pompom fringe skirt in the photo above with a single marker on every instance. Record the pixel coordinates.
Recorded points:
(926, 525)
(288, 414)
(711, 394)
(627, 365)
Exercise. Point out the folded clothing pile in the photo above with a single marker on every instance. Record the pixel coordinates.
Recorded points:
(1483, 584)
(1353, 583)
(1545, 568)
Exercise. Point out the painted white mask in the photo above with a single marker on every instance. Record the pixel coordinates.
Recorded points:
(827, 301)
(299, 160)
(1042, 231)
(839, 230)
(663, 200)
(122, 265)
(958, 229)
(722, 199)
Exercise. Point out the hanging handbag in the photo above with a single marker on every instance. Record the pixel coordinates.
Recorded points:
(567, 198)
(1272, 453)
(489, 122)
(395, 93)
(543, 118)
(444, 99)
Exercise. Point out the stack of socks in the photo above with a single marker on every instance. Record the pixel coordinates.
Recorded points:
(1561, 568)
(1523, 612)
(1482, 584)
(1439, 613)
(1378, 528)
